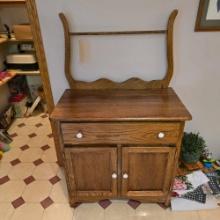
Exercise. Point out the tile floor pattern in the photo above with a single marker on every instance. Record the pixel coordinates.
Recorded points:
(32, 186)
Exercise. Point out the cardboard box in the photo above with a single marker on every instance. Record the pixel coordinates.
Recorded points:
(23, 32)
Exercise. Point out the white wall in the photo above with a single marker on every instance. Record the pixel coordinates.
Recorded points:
(196, 77)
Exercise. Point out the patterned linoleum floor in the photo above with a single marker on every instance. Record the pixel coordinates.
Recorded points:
(32, 186)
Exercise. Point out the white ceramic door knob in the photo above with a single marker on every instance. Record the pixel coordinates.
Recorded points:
(161, 135)
(114, 176)
(125, 176)
(79, 135)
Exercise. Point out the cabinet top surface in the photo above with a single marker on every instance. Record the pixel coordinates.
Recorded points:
(120, 105)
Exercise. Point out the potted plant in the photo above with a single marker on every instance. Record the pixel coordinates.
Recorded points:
(193, 146)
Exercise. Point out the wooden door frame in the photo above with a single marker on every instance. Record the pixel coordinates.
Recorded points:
(38, 42)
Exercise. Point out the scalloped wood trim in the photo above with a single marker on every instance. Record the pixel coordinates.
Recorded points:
(133, 83)
(103, 83)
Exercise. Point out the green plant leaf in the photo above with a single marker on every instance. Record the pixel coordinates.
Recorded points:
(193, 143)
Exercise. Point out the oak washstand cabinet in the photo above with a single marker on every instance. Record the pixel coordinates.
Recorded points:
(119, 140)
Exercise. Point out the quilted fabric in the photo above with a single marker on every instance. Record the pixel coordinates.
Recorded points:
(182, 183)
(213, 184)
(196, 195)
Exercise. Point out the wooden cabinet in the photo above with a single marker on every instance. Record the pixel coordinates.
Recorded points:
(92, 172)
(139, 172)
(119, 144)
(147, 172)
(119, 140)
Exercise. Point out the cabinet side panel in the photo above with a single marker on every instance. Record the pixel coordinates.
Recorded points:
(176, 160)
(55, 125)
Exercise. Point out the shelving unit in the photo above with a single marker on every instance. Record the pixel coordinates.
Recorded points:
(4, 40)
(14, 73)
(26, 73)
(14, 46)
(5, 80)
(14, 2)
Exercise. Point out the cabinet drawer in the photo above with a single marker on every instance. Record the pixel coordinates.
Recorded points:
(121, 133)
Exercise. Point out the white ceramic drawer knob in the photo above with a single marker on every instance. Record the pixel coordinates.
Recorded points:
(114, 176)
(161, 135)
(125, 176)
(79, 135)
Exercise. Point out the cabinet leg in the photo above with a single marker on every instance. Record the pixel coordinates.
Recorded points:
(75, 204)
(168, 201)
(60, 163)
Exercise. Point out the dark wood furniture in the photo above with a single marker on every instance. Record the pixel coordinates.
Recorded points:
(119, 140)
(119, 143)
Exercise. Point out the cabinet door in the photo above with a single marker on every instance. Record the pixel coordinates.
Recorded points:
(147, 172)
(91, 172)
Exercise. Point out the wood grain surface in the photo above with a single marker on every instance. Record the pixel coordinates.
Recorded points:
(38, 43)
(149, 170)
(120, 133)
(120, 105)
(89, 171)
